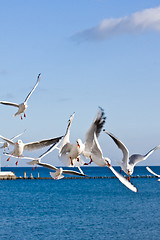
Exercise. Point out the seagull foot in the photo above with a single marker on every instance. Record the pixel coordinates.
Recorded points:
(21, 118)
(16, 163)
(128, 178)
(24, 115)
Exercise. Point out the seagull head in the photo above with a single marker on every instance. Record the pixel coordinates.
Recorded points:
(129, 171)
(19, 142)
(79, 142)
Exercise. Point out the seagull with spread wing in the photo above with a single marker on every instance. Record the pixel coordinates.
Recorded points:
(6, 144)
(23, 106)
(97, 158)
(19, 146)
(128, 163)
(58, 171)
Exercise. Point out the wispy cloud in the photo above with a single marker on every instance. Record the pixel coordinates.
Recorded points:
(139, 22)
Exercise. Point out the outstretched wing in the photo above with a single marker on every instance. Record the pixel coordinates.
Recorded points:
(96, 128)
(124, 180)
(67, 134)
(10, 104)
(121, 146)
(150, 170)
(40, 144)
(136, 158)
(38, 79)
(73, 172)
(18, 135)
(7, 140)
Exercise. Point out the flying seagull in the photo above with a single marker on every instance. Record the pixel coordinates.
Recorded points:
(19, 146)
(58, 171)
(128, 163)
(23, 106)
(6, 144)
(97, 158)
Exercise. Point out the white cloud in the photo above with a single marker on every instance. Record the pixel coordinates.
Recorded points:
(139, 22)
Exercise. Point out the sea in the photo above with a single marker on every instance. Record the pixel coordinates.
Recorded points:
(78, 209)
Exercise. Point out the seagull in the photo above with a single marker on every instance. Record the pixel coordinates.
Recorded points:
(97, 158)
(23, 106)
(58, 171)
(19, 146)
(6, 144)
(69, 153)
(155, 174)
(128, 163)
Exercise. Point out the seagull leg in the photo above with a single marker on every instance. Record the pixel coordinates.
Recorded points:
(9, 158)
(21, 117)
(24, 115)
(77, 159)
(108, 164)
(89, 162)
(17, 161)
(71, 161)
(128, 178)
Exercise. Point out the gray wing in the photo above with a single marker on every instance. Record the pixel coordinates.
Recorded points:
(73, 172)
(65, 149)
(40, 144)
(96, 127)
(49, 149)
(10, 104)
(7, 140)
(46, 165)
(121, 146)
(38, 79)
(136, 158)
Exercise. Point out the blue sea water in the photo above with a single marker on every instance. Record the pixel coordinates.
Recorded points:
(79, 208)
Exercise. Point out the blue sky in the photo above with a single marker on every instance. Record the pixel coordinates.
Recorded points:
(90, 53)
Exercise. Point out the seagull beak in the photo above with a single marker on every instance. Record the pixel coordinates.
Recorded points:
(17, 143)
(78, 145)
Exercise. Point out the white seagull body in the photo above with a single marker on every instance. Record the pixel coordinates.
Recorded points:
(23, 106)
(19, 146)
(69, 153)
(97, 157)
(58, 171)
(128, 163)
(6, 144)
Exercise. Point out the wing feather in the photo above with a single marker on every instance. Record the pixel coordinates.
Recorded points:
(10, 103)
(121, 146)
(40, 144)
(28, 96)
